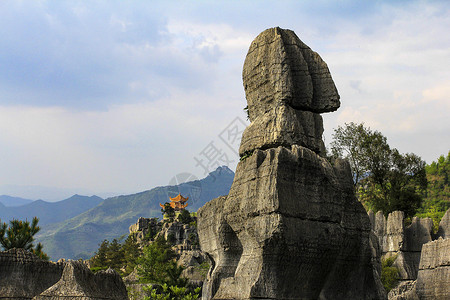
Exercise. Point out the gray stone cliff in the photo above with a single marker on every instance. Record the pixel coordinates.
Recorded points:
(291, 227)
(404, 242)
(24, 276)
(433, 275)
(444, 226)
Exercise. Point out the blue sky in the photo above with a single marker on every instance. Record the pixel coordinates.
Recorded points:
(110, 97)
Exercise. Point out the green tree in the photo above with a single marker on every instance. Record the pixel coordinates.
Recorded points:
(168, 211)
(173, 293)
(185, 217)
(157, 264)
(437, 196)
(100, 259)
(389, 273)
(120, 257)
(384, 179)
(20, 234)
(131, 251)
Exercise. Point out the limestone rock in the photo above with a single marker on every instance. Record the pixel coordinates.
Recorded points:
(291, 228)
(78, 282)
(394, 237)
(23, 275)
(444, 226)
(433, 280)
(284, 126)
(404, 242)
(143, 227)
(405, 290)
(281, 68)
(287, 85)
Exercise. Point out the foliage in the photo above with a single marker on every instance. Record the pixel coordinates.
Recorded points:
(185, 217)
(246, 155)
(437, 196)
(389, 273)
(171, 238)
(384, 179)
(117, 256)
(174, 293)
(168, 211)
(246, 112)
(20, 234)
(203, 268)
(157, 264)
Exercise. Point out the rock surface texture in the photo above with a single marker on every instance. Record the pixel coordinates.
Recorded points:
(25, 276)
(291, 227)
(404, 242)
(433, 279)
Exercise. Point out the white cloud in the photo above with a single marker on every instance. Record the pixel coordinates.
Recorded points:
(122, 97)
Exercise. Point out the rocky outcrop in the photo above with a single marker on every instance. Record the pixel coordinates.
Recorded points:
(79, 283)
(286, 85)
(145, 227)
(403, 242)
(291, 227)
(433, 280)
(444, 226)
(183, 236)
(196, 266)
(24, 276)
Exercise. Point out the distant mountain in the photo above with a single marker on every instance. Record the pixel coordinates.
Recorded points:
(50, 212)
(13, 201)
(80, 236)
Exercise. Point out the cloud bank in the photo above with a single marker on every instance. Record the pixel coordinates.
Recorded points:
(119, 97)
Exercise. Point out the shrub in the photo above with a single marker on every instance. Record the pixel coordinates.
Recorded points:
(389, 273)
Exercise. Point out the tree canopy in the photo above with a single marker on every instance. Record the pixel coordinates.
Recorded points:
(121, 257)
(157, 265)
(20, 234)
(384, 178)
(437, 196)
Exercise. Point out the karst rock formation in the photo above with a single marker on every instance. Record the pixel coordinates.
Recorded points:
(291, 226)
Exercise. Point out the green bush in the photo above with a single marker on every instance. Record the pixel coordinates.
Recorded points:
(389, 273)
(173, 293)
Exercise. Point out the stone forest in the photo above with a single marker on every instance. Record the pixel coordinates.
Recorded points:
(291, 226)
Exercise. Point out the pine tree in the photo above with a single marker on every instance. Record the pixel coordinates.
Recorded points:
(20, 234)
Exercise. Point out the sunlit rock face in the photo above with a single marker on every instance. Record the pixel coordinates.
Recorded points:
(291, 226)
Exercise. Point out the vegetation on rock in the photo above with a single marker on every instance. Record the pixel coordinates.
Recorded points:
(20, 234)
(157, 264)
(389, 273)
(173, 293)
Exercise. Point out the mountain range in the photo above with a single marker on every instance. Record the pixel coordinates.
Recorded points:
(80, 235)
(9, 201)
(47, 212)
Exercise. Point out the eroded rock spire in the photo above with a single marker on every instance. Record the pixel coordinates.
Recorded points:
(286, 85)
(291, 226)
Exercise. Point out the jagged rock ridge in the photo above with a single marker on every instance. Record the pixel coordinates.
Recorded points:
(291, 227)
(24, 276)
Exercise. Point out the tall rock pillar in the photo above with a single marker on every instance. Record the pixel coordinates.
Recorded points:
(291, 226)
